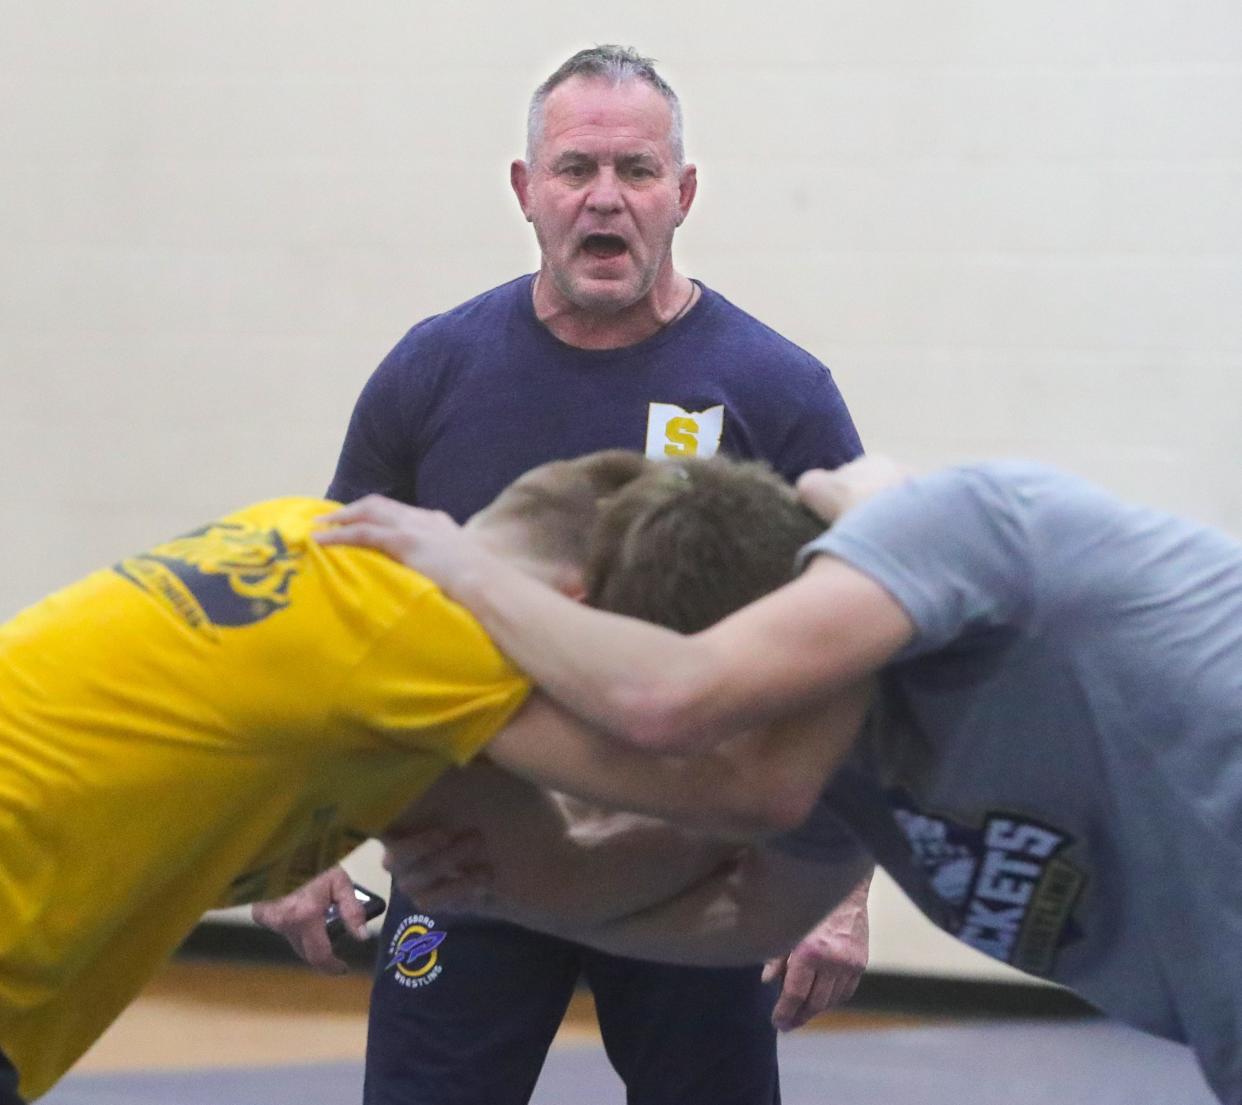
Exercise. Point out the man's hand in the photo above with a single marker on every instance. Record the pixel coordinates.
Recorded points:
(824, 969)
(298, 917)
(831, 494)
(428, 541)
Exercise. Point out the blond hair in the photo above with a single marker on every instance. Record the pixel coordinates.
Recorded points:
(682, 543)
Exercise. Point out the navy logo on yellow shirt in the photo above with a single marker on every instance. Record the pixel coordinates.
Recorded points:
(224, 574)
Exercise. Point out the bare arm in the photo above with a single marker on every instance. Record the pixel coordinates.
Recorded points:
(555, 863)
(824, 969)
(790, 653)
(756, 908)
(633, 887)
(784, 655)
(757, 782)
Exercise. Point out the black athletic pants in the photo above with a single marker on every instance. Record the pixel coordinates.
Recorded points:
(8, 1083)
(463, 1011)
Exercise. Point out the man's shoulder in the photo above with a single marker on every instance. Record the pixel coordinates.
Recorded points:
(474, 318)
(435, 343)
(756, 335)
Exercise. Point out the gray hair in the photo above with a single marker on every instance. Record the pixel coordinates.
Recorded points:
(611, 63)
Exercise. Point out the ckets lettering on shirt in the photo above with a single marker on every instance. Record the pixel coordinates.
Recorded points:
(675, 432)
(1049, 917)
(1009, 889)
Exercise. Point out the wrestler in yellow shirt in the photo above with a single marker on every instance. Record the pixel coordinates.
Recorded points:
(219, 718)
(230, 712)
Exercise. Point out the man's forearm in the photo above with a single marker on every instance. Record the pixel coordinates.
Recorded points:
(855, 902)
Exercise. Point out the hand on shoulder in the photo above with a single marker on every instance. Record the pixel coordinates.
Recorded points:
(831, 494)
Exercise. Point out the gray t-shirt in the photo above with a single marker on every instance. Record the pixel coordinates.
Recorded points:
(1053, 770)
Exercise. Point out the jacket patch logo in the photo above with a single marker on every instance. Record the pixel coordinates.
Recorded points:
(224, 574)
(673, 432)
(413, 955)
(1007, 887)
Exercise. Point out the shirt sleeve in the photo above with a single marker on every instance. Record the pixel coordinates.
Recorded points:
(821, 838)
(380, 450)
(434, 682)
(952, 548)
(823, 434)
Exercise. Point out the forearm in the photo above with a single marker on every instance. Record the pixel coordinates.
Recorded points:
(613, 671)
(790, 653)
(628, 885)
(738, 914)
(855, 902)
(617, 866)
(785, 654)
(748, 786)
(557, 864)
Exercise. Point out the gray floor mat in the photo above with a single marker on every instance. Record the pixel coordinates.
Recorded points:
(1074, 1063)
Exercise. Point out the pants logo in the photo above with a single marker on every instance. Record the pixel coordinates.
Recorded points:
(413, 955)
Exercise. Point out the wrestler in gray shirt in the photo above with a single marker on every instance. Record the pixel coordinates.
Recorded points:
(1052, 770)
(1051, 767)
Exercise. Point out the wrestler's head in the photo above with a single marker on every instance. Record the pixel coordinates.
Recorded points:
(680, 542)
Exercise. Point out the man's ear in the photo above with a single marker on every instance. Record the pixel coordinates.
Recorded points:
(687, 189)
(519, 181)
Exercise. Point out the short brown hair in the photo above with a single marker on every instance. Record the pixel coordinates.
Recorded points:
(681, 543)
(558, 504)
(687, 542)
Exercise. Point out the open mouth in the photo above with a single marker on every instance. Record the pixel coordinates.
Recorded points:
(604, 246)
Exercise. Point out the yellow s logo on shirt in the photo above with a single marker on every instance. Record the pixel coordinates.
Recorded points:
(674, 432)
(682, 437)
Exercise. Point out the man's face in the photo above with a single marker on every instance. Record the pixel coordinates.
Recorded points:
(604, 193)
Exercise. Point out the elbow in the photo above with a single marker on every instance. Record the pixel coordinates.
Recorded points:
(647, 717)
(782, 804)
(666, 717)
(793, 811)
(680, 708)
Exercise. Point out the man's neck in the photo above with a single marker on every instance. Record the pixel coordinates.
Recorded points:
(664, 305)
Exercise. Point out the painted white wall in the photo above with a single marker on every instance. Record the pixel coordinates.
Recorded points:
(1009, 230)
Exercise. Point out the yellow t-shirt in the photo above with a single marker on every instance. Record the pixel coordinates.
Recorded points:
(209, 722)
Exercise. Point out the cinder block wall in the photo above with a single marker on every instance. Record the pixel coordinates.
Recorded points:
(1008, 229)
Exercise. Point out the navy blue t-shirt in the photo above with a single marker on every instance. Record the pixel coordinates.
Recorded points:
(472, 398)
(467, 402)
